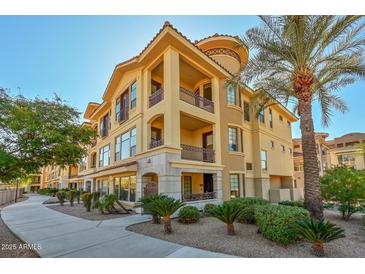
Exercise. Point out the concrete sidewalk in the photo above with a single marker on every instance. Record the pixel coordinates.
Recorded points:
(61, 235)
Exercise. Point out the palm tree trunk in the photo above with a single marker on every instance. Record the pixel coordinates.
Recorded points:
(155, 219)
(230, 229)
(312, 192)
(167, 225)
(318, 249)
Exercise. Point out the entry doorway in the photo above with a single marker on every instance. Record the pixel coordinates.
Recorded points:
(208, 182)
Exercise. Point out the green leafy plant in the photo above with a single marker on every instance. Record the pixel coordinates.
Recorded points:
(346, 186)
(227, 213)
(106, 203)
(273, 222)
(87, 200)
(96, 196)
(165, 208)
(61, 196)
(248, 204)
(208, 208)
(71, 195)
(317, 233)
(78, 196)
(292, 203)
(146, 203)
(189, 215)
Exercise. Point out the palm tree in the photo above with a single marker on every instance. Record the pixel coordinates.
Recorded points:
(318, 233)
(165, 208)
(299, 60)
(228, 213)
(146, 203)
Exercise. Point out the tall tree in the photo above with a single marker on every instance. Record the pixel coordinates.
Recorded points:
(36, 133)
(302, 59)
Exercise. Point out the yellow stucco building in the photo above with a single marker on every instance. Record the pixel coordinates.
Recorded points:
(168, 123)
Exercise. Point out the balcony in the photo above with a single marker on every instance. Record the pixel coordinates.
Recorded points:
(156, 143)
(196, 100)
(197, 153)
(188, 197)
(156, 97)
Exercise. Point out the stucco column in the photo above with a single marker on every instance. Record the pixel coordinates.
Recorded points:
(146, 90)
(217, 126)
(217, 185)
(171, 88)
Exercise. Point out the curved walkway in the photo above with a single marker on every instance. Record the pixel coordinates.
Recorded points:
(61, 235)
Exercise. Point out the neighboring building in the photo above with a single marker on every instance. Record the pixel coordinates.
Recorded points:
(322, 154)
(348, 150)
(168, 123)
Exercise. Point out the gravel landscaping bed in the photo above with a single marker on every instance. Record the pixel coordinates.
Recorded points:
(78, 210)
(10, 245)
(210, 234)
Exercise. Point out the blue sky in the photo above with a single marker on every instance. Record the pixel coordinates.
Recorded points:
(74, 56)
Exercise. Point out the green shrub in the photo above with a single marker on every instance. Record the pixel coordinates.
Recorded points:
(189, 215)
(147, 202)
(292, 203)
(317, 233)
(61, 196)
(208, 208)
(106, 203)
(328, 205)
(227, 213)
(274, 221)
(248, 205)
(96, 196)
(71, 195)
(344, 185)
(87, 200)
(78, 196)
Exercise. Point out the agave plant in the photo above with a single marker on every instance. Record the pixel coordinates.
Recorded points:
(318, 233)
(227, 213)
(146, 203)
(165, 208)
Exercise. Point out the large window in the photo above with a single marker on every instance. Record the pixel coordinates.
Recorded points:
(263, 160)
(104, 156)
(246, 111)
(117, 109)
(122, 107)
(270, 119)
(104, 125)
(125, 145)
(187, 185)
(125, 188)
(262, 116)
(232, 139)
(103, 187)
(133, 95)
(231, 95)
(234, 181)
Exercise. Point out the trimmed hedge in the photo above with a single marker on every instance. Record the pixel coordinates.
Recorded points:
(249, 203)
(274, 221)
(292, 203)
(189, 215)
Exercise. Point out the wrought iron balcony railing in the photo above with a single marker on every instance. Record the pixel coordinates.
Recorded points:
(196, 100)
(197, 153)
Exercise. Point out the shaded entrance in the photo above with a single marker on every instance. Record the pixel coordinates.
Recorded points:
(150, 184)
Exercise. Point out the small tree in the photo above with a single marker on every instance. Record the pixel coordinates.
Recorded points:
(318, 233)
(78, 196)
(346, 186)
(227, 213)
(146, 203)
(71, 195)
(61, 195)
(165, 208)
(87, 199)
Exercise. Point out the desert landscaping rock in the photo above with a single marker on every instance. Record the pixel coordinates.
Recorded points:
(210, 234)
